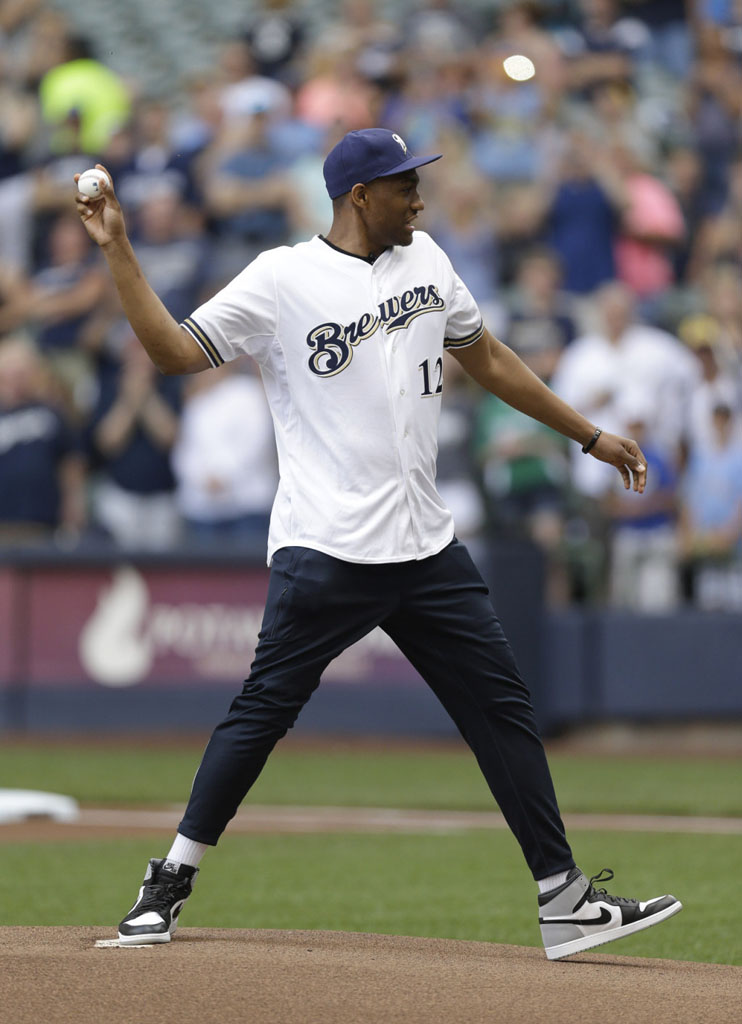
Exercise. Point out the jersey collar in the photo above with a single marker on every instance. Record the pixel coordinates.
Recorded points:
(370, 259)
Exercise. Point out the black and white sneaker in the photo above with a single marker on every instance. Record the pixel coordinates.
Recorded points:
(576, 916)
(154, 916)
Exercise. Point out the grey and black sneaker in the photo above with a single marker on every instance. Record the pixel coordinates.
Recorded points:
(154, 916)
(577, 916)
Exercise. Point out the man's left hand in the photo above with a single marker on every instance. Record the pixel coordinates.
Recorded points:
(626, 456)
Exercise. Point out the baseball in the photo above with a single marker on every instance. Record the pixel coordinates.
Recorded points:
(519, 68)
(89, 183)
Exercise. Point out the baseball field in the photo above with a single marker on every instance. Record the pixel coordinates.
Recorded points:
(365, 882)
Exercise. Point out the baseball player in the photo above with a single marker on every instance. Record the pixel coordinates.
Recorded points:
(349, 332)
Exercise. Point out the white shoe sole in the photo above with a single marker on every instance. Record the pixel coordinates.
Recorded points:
(143, 940)
(600, 938)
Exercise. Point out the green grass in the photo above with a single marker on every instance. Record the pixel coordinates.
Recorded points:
(463, 886)
(466, 885)
(447, 779)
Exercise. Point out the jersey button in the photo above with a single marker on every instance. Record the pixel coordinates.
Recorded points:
(401, 391)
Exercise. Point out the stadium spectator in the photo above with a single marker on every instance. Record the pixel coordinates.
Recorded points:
(248, 194)
(465, 225)
(19, 123)
(684, 175)
(715, 103)
(427, 100)
(244, 89)
(457, 478)
(37, 41)
(520, 31)
(310, 206)
(541, 316)
(602, 47)
(173, 254)
(722, 299)
(42, 470)
(714, 387)
(10, 282)
(224, 459)
(146, 160)
(335, 92)
(651, 226)
(56, 302)
(132, 430)
(196, 124)
(436, 27)
(710, 528)
(583, 214)
(613, 116)
(30, 202)
(104, 337)
(623, 357)
(524, 468)
(720, 234)
(644, 574)
(275, 34)
(669, 40)
(16, 222)
(381, 59)
(510, 131)
(82, 100)
(364, 24)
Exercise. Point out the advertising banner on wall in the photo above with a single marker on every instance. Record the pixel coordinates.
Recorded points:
(127, 626)
(7, 627)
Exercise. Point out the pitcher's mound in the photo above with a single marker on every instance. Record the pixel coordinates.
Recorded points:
(60, 975)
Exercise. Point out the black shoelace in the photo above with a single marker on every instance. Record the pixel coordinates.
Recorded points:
(162, 894)
(605, 875)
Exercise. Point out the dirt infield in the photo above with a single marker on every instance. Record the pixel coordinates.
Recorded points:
(58, 976)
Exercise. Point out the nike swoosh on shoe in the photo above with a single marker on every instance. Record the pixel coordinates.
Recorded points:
(603, 918)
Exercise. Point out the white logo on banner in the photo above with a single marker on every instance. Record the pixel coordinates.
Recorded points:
(114, 647)
(120, 641)
(127, 631)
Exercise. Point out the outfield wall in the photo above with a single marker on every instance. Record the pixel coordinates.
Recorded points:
(136, 642)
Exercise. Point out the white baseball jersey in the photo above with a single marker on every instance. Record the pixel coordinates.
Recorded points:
(351, 355)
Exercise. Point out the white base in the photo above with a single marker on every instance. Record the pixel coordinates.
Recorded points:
(21, 804)
(115, 944)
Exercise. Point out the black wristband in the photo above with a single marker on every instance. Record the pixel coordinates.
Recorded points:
(586, 447)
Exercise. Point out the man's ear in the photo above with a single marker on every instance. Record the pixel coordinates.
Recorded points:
(359, 195)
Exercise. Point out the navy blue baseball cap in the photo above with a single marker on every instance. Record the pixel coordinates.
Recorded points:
(365, 155)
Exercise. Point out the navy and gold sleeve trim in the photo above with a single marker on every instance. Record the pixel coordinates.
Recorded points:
(468, 340)
(199, 334)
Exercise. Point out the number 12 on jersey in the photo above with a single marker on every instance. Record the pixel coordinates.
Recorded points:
(437, 377)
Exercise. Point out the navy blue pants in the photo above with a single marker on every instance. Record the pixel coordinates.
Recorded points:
(439, 614)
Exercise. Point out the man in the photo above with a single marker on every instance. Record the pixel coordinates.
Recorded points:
(349, 332)
(610, 365)
(42, 469)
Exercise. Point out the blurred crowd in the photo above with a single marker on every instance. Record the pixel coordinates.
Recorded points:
(594, 211)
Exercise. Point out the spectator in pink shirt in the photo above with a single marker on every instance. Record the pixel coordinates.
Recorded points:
(651, 224)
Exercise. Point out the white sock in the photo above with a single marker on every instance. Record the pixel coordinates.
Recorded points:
(186, 851)
(552, 881)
